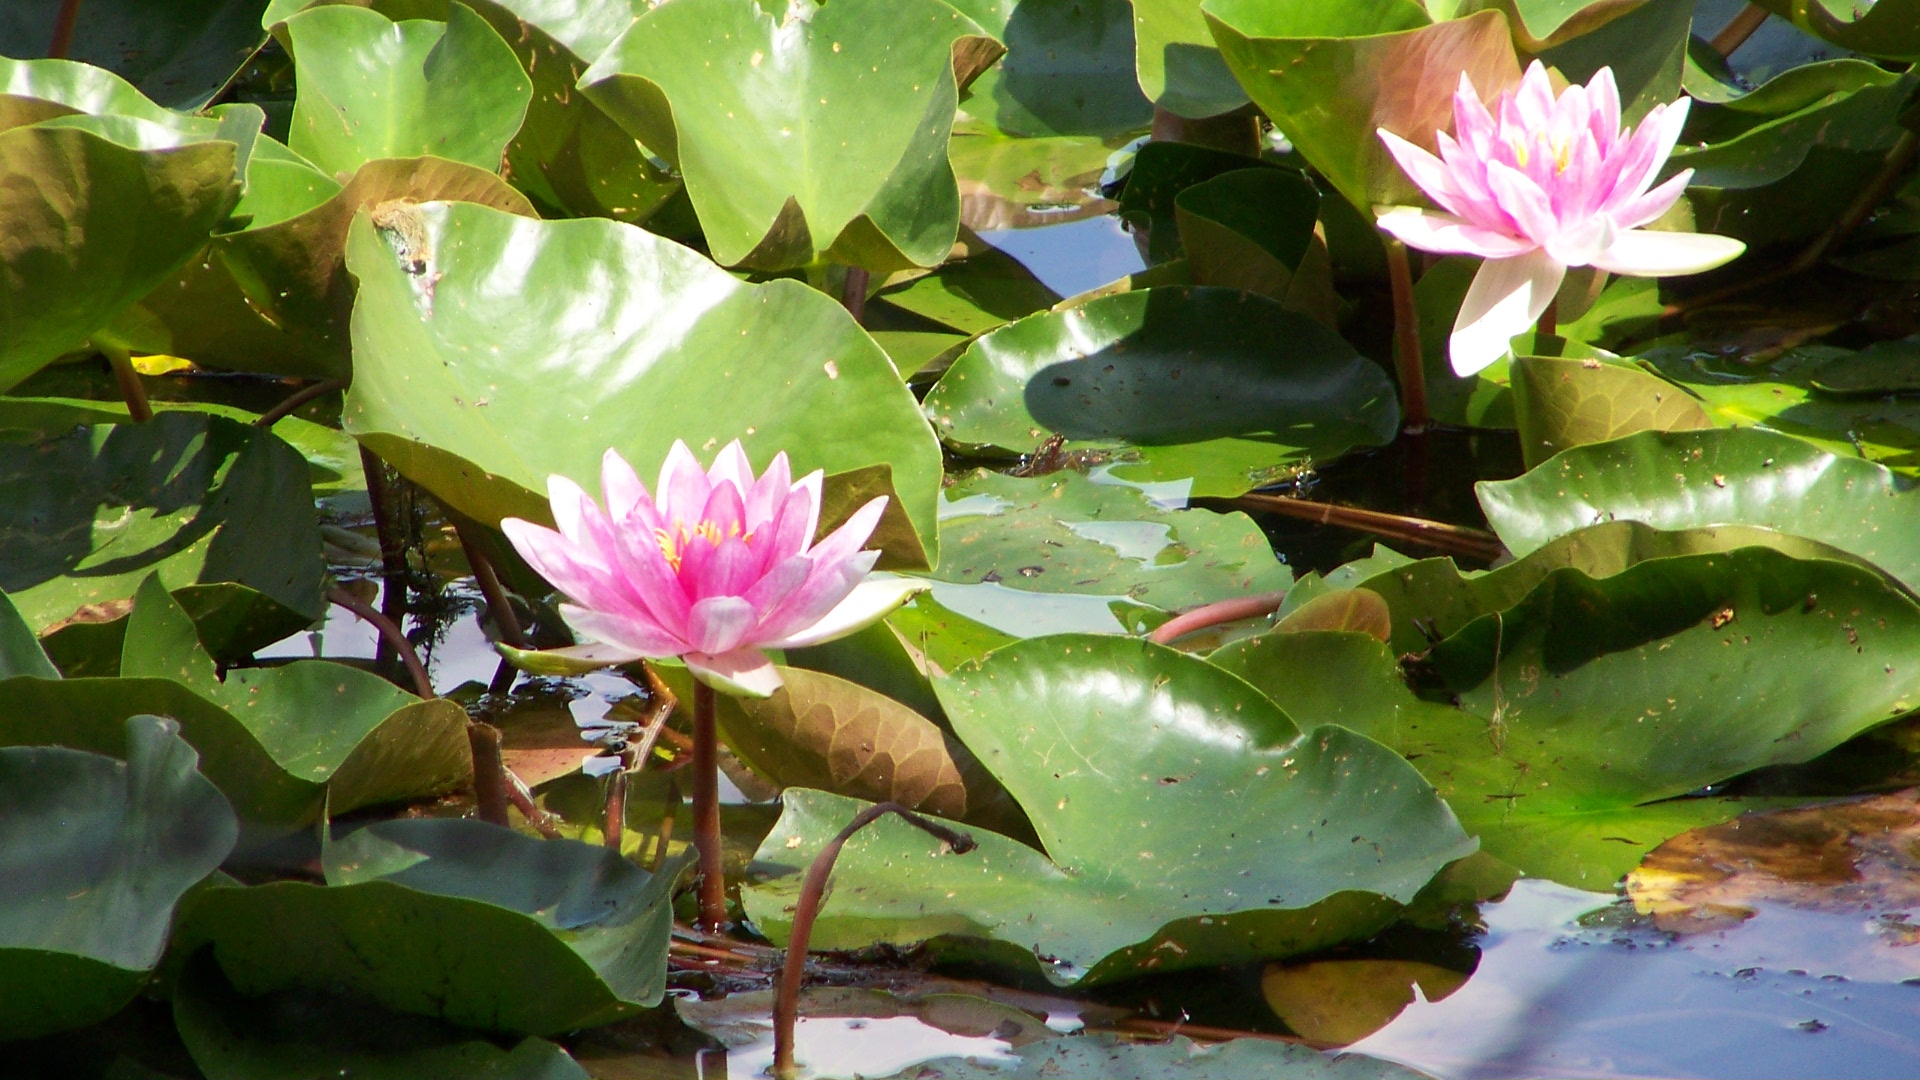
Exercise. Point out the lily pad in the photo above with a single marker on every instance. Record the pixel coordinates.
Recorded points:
(76, 192)
(295, 1035)
(1253, 229)
(976, 292)
(219, 510)
(177, 52)
(570, 155)
(453, 919)
(1068, 68)
(277, 741)
(1886, 30)
(98, 851)
(276, 297)
(1115, 1058)
(1223, 387)
(1562, 403)
(372, 88)
(1685, 480)
(1563, 790)
(819, 134)
(1539, 25)
(1066, 533)
(1177, 63)
(821, 731)
(1103, 741)
(1330, 74)
(479, 399)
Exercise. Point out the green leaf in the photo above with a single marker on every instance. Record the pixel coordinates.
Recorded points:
(819, 135)
(819, 731)
(569, 154)
(1888, 29)
(940, 639)
(177, 52)
(373, 88)
(1221, 387)
(1066, 533)
(1685, 480)
(1117, 1058)
(276, 297)
(1161, 171)
(480, 401)
(20, 651)
(1562, 403)
(457, 920)
(1186, 821)
(1253, 229)
(1539, 25)
(977, 292)
(1177, 63)
(296, 1035)
(220, 510)
(72, 204)
(1068, 68)
(1551, 818)
(97, 852)
(1331, 74)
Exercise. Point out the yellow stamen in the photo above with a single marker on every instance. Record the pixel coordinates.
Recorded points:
(673, 544)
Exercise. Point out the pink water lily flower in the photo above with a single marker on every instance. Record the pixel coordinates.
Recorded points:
(719, 567)
(1535, 186)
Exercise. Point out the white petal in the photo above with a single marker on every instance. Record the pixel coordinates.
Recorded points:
(869, 602)
(1506, 297)
(742, 672)
(1645, 253)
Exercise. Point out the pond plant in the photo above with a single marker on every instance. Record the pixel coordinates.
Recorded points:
(1180, 575)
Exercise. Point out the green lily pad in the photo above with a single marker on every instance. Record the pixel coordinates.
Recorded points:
(177, 52)
(1223, 387)
(1551, 818)
(1539, 25)
(1789, 176)
(1068, 68)
(1560, 403)
(1253, 229)
(278, 741)
(77, 191)
(1685, 480)
(1288, 841)
(1117, 1058)
(821, 731)
(1889, 29)
(453, 919)
(1177, 63)
(939, 639)
(296, 1035)
(98, 850)
(1066, 533)
(819, 134)
(1162, 170)
(372, 88)
(479, 401)
(220, 510)
(977, 292)
(276, 297)
(1330, 74)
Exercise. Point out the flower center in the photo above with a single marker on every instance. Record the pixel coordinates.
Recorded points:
(673, 542)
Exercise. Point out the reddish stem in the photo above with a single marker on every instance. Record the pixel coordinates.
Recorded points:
(389, 633)
(296, 399)
(63, 24)
(786, 992)
(706, 812)
(1217, 614)
(491, 788)
(1406, 339)
(616, 821)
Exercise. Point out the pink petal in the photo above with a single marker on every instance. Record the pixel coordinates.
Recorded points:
(683, 485)
(652, 579)
(846, 540)
(729, 571)
(1647, 207)
(1533, 102)
(1445, 234)
(869, 602)
(725, 510)
(571, 507)
(731, 464)
(742, 673)
(1581, 243)
(1473, 125)
(1427, 172)
(622, 486)
(1603, 98)
(1522, 198)
(777, 583)
(632, 633)
(807, 489)
(1643, 253)
(769, 492)
(719, 624)
(1506, 297)
(826, 586)
(575, 572)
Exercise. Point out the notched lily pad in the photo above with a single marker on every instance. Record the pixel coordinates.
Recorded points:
(1291, 841)
(98, 851)
(453, 919)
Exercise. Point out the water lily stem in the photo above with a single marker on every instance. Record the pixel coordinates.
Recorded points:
(786, 992)
(853, 293)
(505, 619)
(671, 807)
(706, 812)
(1451, 539)
(491, 789)
(1406, 339)
(296, 399)
(1735, 33)
(1549, 322)
(616, 821)
(63, 24)
(1217, 613)
(132, 390)
(390, 634)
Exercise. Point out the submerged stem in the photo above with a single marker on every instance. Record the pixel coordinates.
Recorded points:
(491, 789)
(616, 820)
(1736, 32)
(1407, 360)
(296, 399)
(786, 992)
(63, 23)
(706, 812)
(1451, 539)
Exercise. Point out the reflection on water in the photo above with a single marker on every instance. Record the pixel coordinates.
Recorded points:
(1073, 257)
(863, 1046)
(1789, 992)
